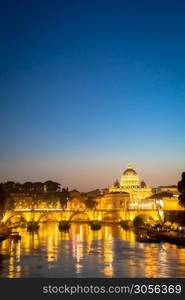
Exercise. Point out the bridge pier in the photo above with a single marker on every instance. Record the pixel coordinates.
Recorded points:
(95, 225)
(64, 225)
(32, 226)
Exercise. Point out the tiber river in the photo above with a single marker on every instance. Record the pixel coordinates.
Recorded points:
(109, 252)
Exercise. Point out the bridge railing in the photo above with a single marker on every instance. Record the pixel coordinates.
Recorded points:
(81, 210)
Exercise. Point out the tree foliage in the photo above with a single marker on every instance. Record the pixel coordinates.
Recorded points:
(2, 200)
(63, 197)
(52, 186)
(181, 189)
(6, 201)
(28, 193)
(31, 187)
(90, 203)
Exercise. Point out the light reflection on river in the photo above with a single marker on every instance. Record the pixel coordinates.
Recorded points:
(109, 252)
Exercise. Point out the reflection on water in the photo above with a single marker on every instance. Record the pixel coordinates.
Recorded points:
(109, 252)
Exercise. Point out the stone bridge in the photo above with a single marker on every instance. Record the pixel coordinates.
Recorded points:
(58, 215)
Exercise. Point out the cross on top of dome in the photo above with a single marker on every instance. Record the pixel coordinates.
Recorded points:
(129, 166)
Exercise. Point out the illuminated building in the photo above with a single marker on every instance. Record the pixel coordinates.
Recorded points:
(168, 188)
(171, 203)
(167, 200)
(113, 200)
(128, 193)
(130, 183)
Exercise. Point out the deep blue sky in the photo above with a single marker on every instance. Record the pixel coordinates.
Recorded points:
(86, 86)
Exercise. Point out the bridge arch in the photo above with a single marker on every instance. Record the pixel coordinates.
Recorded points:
(86, 215)
(16, 216)
(47, 216)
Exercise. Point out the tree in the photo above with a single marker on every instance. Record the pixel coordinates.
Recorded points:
(6, 201)
(181, 189)
(92, 194)
(38, 187)
(27, 187)
(18, 187)
(9, 186)
(90, 203)
(74, 194)
(63, 197)
(2, 200)
(52, 186)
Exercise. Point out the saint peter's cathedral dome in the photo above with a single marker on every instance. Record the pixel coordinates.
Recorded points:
(129, 178)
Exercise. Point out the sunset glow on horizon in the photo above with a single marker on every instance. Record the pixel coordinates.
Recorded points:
(85, 89)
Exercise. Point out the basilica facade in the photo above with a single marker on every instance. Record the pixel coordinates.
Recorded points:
(130, 183)
(129, 193)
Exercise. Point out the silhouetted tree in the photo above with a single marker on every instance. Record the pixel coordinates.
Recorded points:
(90, 203)
(63, 197)
(27, 187)
(92, 194)
(74, 194)
(52, 186)
(9, 186)
(38, 187)
(18, 187)
(181, 189)
(2, 200)
(6, 201)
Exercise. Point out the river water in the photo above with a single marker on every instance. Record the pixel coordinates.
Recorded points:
(109, 252)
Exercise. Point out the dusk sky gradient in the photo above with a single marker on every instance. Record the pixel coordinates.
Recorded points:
(88, 86)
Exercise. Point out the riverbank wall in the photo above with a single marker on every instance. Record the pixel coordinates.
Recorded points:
(175, 216)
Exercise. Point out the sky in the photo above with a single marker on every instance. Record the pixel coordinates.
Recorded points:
(88, 86)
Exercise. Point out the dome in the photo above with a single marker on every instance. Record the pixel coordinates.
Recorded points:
(130, 177)
(129, 171)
